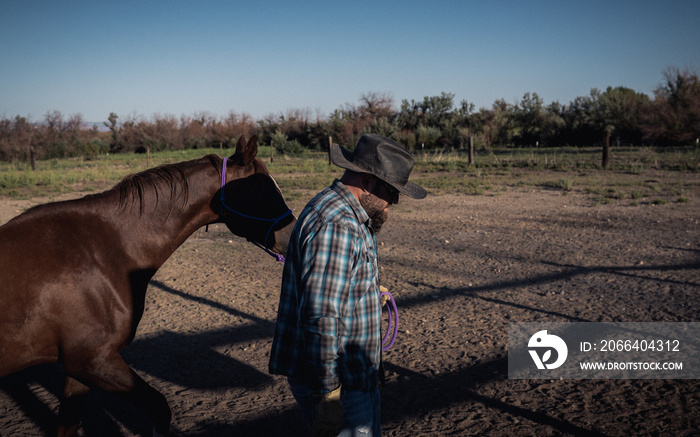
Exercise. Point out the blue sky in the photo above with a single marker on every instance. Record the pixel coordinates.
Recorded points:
(266, 57)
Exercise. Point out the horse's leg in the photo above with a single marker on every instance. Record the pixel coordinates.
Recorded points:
(112, 374)
(75, 395)
(152, 402)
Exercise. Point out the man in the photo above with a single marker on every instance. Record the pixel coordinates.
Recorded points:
(327, 339)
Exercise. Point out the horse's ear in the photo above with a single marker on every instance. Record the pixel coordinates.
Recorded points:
(251, 150)
(240, 145)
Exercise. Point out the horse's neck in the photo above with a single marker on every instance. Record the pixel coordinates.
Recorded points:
(156, 229)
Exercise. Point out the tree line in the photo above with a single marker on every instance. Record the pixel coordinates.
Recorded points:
(617, 116)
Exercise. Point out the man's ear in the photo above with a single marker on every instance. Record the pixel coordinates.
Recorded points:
(369, 182)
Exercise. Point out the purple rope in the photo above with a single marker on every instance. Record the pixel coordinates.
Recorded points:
(393, 321)
(223, 173)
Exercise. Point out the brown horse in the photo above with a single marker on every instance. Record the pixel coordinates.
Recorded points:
(74, 274)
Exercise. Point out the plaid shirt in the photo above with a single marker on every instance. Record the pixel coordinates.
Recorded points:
(329, 317)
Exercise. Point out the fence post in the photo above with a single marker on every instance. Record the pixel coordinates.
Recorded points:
(471, 150)
(32, 158)
(606, 149)
(330, 144)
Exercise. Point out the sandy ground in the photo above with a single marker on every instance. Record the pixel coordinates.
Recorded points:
(461, 268)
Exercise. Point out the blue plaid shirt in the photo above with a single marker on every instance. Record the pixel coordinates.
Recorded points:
(329, 317)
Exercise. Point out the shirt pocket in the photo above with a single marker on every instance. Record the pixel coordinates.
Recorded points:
(366, 277)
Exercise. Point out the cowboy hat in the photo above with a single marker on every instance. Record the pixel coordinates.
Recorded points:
(382, 157)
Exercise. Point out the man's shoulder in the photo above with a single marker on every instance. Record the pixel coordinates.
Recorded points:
(332, 205)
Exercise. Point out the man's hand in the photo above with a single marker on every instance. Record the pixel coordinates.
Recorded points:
(383, 299)
(329, 415)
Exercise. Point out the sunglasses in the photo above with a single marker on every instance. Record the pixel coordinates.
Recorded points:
(393, 192)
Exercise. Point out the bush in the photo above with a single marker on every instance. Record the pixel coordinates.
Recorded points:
(428, 135)
(284, 146)
(95, 148)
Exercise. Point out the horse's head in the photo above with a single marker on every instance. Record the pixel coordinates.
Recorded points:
(252, 205)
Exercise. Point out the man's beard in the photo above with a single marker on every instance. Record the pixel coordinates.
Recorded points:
(375, 210)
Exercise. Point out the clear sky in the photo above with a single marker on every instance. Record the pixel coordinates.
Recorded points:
(265, 57)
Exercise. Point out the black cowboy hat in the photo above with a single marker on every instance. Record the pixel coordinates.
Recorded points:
(383, 158)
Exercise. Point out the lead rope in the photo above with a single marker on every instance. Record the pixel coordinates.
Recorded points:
(393, 320)
(279, 257)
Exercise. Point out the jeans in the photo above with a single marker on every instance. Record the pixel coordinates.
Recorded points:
(361, 409)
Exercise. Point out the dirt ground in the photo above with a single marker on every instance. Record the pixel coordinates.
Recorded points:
(461, 268)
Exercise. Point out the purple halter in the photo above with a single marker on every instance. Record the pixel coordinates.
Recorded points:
(274, 221)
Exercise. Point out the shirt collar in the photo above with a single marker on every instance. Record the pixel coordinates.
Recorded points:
(351, 200)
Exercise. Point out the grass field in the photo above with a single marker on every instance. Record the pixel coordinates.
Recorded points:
(635, 175)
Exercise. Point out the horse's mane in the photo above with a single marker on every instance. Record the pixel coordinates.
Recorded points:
(168, 179)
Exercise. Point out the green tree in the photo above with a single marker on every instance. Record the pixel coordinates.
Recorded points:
(437, 110)
(377, 115)
(529, 119)
(616, 110)
(496, 124)
(284, 146)
(675, 114)
(553, 125)
(433, 116)
(23, 140)
(428, 135)
(115, 138)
